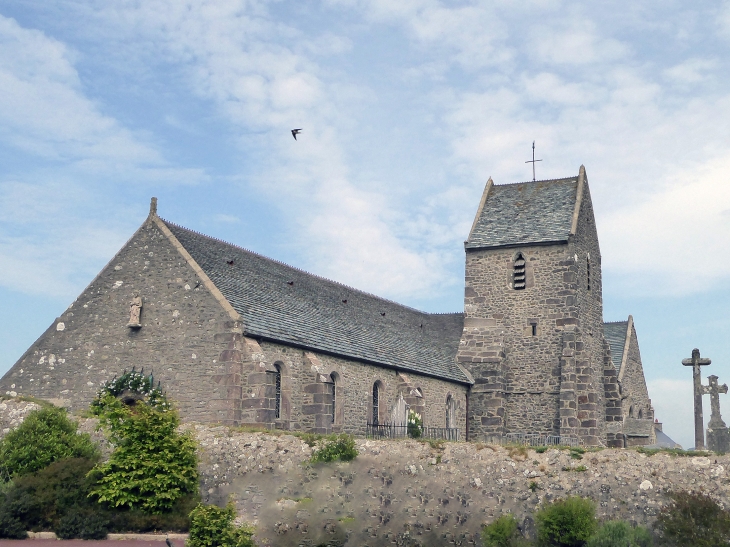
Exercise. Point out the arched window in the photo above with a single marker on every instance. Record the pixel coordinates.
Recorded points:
(376, 403)
(641, 413)
(334, 379)
(588, 271)
(277, 384)
(518, 272)
(450, 412)
(631, 411)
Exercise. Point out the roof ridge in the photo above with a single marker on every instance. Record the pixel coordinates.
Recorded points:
(535, 181)
(614, 322)
(300, 270)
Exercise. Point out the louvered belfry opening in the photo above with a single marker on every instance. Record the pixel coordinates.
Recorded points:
(278, 392)
(518, 273)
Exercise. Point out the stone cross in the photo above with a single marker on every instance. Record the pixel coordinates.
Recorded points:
(695, 362)
(713, 390)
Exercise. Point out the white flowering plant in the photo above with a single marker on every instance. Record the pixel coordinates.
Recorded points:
(415, 424)
(135, 382)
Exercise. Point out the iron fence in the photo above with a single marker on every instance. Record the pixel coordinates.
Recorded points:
(397, 431)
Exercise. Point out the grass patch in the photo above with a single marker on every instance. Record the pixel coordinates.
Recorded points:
(336, 447)
(517, 452)
(672, 452)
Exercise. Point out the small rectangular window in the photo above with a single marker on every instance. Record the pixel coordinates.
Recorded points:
(534, 329)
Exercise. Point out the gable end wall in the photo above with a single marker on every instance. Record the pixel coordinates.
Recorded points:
(180, 319)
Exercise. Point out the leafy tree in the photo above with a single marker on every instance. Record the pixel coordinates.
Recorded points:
(45, 436)
(211, 526)
(566, 523)
(152, 465)
(693, 519)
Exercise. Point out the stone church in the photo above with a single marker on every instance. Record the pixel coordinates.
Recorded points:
(238, 338)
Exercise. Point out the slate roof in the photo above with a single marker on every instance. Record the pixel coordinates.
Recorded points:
(525, 213)
(615, 334)
(284, 304)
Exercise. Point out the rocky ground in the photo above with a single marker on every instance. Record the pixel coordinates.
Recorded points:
(414, 493)
(411, 493)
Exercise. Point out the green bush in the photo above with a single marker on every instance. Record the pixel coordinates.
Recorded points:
(503, 532)
(211, 526)
(132, 382)
(693, 519)
(415, 424)
(152, 465)
(45, 499)
(45, 436)
(620, 534)
(566, 523)
(336, 447)
(135, 520)
(11, 527)
(84, 523)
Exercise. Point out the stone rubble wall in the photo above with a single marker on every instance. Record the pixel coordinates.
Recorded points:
(410, 493)
(414, 493)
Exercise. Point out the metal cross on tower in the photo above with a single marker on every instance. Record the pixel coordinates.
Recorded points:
(696, 362)
(532, 161)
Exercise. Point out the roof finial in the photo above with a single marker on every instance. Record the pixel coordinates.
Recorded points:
(153, 206)
(532, 161)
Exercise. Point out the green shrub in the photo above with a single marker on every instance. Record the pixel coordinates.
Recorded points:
(45, 436)
(503, 532)
(693, 519)
(566, 523)
(11, 527)
(84, 523)
(152, 465)
(211, 526)
(415, 424)
(135, 520)
(45, 499)
(135, 383)
(620, 534)
(336, 447)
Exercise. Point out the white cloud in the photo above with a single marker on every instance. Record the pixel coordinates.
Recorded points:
(691, 71)
(675, 241)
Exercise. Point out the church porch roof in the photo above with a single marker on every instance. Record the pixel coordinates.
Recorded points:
(615, 334)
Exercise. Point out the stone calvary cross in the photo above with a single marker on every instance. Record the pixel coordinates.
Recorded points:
(718, 437)
(696, 362)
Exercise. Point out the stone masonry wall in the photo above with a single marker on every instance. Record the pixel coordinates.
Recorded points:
(517, 375)
(409, 493)
(301, 372)
(634, 383)
(588, 286)
(90, 342)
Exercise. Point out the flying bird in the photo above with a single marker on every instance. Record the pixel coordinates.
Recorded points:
(295, 132)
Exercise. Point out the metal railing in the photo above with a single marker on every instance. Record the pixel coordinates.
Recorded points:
(393, 431)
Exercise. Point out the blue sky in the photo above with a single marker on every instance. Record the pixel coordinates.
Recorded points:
(407, 108)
